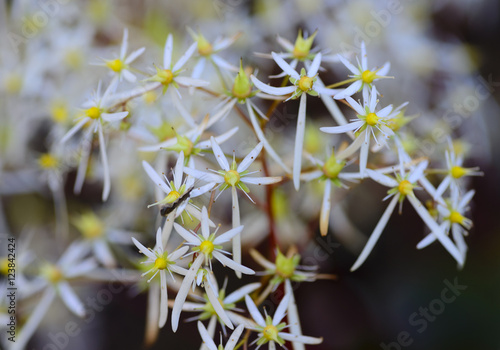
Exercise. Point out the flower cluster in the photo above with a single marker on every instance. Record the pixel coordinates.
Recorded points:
(162, 142)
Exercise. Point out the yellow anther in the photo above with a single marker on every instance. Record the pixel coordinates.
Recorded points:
(456, 218)
(93, 112)
(115, 65)
(270, 332)
(405, 187)
(48, 161)
(161, 263)
(368, 76)
(306, 83)
(372, 119)
(207, 247)
(172, 197)
(89, 225)
(204, 47)
(52, 273)
(4, 266)
(457, 171)
(166, 76)
(232, 177)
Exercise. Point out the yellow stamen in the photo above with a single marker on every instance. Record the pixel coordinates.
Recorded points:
(48, 161)
(405, 187)
(368, 76)
(270, 332)
(232, 177)
(372, 119)
(305, 83)
(115, 65)
(166, 76)
(456, 218)
(93, 112)
(207, 247)
(457, 171)
(52, 273)
(161, 263)
(4, 266)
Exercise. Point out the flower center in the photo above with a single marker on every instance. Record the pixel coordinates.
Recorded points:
(270, 332)
(93, 112)
(368, 76)
(332, 168)
(207, 247)
(59, 112)
(4, 266)
(232, 177)
(456, 218)
(457, 172)
(172, 197)
(372, 119)
(52, 273)
(115, 65)
(305, 83)
(161, 263)
(166, 76)
(405, 187)
(47, 161)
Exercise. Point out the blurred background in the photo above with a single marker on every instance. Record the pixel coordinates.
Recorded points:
(444, 56)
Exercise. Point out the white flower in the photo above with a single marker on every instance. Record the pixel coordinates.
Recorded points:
(454, 172)
(208, 52)
(162, 262)
(270, 329)
(368, 121)
(362, 77)
(304, 84)
(401, 188)
(235, 176)
(179, 191)
(169, 74)
(208, 341)
(207, 246)
(453, 219)
(331, 172)
(120, 66)
(97, 113)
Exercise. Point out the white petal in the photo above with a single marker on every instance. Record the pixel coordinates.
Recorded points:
(233, 340)
(113, 117)
(293, 316)
(349, 91)
(442, 187)
(214, 300)
(198, 191)
(356, 106)
(198, 68)
(219, 139)
(381, 178)
(176, 254)
(179, 171)
(373, 99)
(219, 155)
(364, 60)
(436, 230)
(418, 172)
(205, 229)
(271, 90)
(375, 234)
(70, 299)
(342, 128)
(208, 177)
(107, 180)
(299, 141)
(222, 63)
(183, 291)
(228, 235)
(262, 261)
(74, 129)
(153, 175)
(384, 112)
(182, 61)
(231, 264)
(240, 293)
(207, 340)
(281, 310)
(262, 138)
(143, 249)
(465, 199)
(103, 253)
(254, 312)
(261, 180)
(313, 69)
(285, 66)
(354, 70)
(163, 299)
(363, 155)
(131, 78)
(300, 338)
(313, 175)
(325, 208)
(123, 48)
(167, 53)
(249, 159)
(131, 58)
(188, 236)
(188, 81)
(181, 109)
(385, 69)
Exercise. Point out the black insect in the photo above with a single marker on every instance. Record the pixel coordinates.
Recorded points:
(168, 208)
